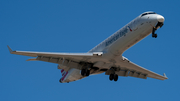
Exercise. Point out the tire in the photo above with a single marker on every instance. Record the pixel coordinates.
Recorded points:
(111, 77)
(83, 72)
(155, 36)
(115, 77)
(87, 72)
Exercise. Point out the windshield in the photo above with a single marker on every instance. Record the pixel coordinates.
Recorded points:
(147, 13)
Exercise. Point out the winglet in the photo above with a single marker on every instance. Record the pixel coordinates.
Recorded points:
(10, 50)
(165, 75)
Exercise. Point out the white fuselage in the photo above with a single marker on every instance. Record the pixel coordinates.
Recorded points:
(124, 38)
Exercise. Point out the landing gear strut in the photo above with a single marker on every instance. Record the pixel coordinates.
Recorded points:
(153, 33)
(113, 77)
(159, 24)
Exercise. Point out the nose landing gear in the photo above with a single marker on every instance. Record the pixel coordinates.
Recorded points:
(159, 24)
(153, 33)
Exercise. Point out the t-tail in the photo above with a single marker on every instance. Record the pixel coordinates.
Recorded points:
(64, 73)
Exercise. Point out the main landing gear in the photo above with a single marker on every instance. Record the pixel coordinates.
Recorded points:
(85, 72)
(113, 77)
(159, 24)
(112, 73)
(86, 68)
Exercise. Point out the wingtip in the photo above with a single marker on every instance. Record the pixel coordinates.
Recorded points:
(10, 50)
(165, 75)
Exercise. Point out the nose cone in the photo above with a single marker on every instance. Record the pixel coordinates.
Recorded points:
(160, 18)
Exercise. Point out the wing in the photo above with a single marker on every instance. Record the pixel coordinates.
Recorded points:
(131, 69)
(55, 57)
(127, 68)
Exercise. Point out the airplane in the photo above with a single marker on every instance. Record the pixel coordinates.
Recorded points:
(106, 56)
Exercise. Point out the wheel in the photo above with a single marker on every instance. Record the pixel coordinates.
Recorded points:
(87, 72)
(111, 77)
(115, 77)
(83, 71)
(155, 35)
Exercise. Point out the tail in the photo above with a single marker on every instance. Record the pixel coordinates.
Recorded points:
(63, 72)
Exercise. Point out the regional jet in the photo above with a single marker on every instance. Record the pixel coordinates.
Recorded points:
(106, 56)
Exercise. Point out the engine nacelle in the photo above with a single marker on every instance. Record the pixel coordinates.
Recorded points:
(63, 80)
(66, 64)
(66, 68)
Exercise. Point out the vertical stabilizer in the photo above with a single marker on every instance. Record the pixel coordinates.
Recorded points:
(63, 72)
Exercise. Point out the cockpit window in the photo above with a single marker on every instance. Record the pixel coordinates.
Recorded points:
(147, 13)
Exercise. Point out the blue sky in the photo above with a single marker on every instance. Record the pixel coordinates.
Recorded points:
(77, 26)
